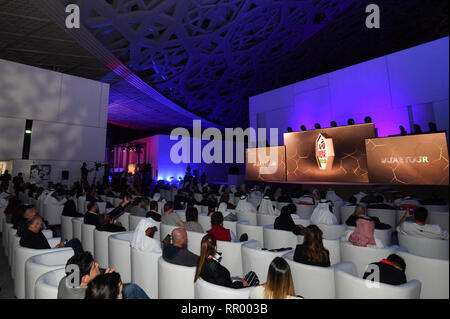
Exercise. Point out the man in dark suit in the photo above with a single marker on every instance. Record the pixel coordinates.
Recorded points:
(105, 222)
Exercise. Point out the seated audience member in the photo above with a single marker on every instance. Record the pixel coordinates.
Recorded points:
(105, 222)
(219, 232)
(307, 199)
(153, 212)
(391, 270)
(210, 269)
(170, 217)
(88, 271)
(419, 228)
(191, 223)
(351, 201)
(322, 214)
(379, 203)
(266, 207)
(360, 212)
(177, 252)
(225, 198)
(143, 236)
(54, 198)
(245, 206)
(279, 284)
(211, 210)
(70, 208)
(12, 216)
(284, 197)
(33, 237)
(312, 252)
(27, 212)
(106, 286)
(285, 221)
(137, 208)
(92, 196)
(364, 234)
(227, 215)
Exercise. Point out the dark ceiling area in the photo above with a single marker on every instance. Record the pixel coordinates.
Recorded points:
(209, 56)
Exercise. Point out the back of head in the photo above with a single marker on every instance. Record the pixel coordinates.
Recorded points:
(398, 261)
(168, 206)
(90, 205)
(83, 261)
(352, 200)
(191, 214)
(154, 205)
(207, 248)
(216, 219)
(279, 283)
(313, 243)
(421, 214)
(104, 286)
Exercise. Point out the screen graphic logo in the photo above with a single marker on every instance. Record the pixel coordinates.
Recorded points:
(324, 151)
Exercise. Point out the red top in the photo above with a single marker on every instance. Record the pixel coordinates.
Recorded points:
(220, 233)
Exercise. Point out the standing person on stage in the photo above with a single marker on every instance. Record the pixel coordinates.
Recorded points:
(84, 173)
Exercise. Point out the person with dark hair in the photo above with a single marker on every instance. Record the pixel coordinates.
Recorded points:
(417, 129)
(105, 222)
(285, 221)
(391, 270)
(191, 223)
(5, 178)
(350, 122)
(312, 252)
(32, 237)
(177, 252)
(84, 173)
(279, 284)
(433, 127)
(284, 197)
(367, 119)
(153, 212)
(379, 203)
(92, 196)
(211, 209)
(303, 127)
(210, 269)
(137, 208)
(170, 217)
(317, 126)
(26, 212)
(106, 286)
(17, 182)
(333, 124)
(88, 269)
(219, 232)
(289, 129)
(402, 130)
(419, 228)
(70, 208)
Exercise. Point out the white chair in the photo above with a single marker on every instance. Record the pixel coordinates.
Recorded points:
(101, 207)
(66, 227)
(205, 221)
(332, 231)
(117, 201)
(257, 260)
(175, 281)
(2, 218)
(81, 204)
(305, 211)
(119, 254)
(52, 213)
(438, 218)
(436, 209)
(14, 242)
(431, 272)
(87, 238)
(425, 247)
(9, 236)
(251, 217)
(274, 238)
(21, 254)
(144, 271)
(76, 227)
(313, 282)
(204, 209)
(231, 256)
(253, 232)
(229, 225)
(166, 230)
(386, 216)
(300, 221)
(194, 241)
(181, 213)
(384, 235)
(349, 285)
(198, 197)
(264, 220)
(134, 221)
(362, 256)
(345, 212)
(38, 265)
(206, 290)
(101, 251)
(5, 232)
(47, 285)
(334, 248)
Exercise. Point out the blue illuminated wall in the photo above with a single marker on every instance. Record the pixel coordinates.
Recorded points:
(402, 88)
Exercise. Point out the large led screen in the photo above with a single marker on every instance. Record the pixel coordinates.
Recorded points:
(265, 164)
(409, 159)
(336, 154)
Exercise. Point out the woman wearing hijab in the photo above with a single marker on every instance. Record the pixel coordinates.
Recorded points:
(364, 234)
(227, 215)
(143, 236)
(245, 206)
(285, 221)
(266, 207)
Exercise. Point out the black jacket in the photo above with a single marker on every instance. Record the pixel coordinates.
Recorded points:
(389, 274)
(284, 222)
(154, 215)
(34, 240)
(213, 272)
(300, 257)
(70, 209)
(98, 220)
(179, 256)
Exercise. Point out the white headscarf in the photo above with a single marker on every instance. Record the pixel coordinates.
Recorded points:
(156, 196)
(233, 188)
(359, 196)
(266, 207)
(332, 196)
(322, 214)
(221, 188)
(245, 206)
(223, 209)
(141, 241)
